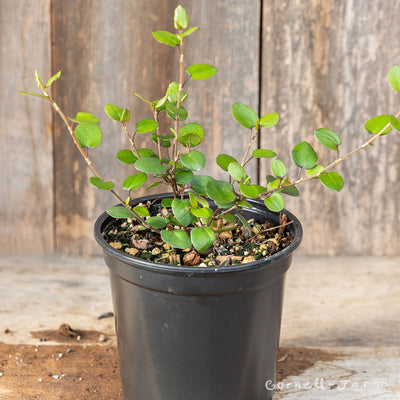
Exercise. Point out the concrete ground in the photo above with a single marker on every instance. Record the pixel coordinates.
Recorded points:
(346, 308)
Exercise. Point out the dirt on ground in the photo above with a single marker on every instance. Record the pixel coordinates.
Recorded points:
(87, 369)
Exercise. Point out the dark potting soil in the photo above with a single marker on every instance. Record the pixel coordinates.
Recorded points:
(236, 244)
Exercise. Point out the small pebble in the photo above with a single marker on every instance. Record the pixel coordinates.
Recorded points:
(60, 355)
(40, 379)
(1, 374)
(69, 351)
(102, 338)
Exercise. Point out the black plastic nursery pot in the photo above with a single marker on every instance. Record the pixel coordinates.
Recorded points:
(190, 333)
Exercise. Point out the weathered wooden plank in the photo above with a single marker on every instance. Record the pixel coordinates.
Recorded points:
(106, 51)
(325, 63)
(26, 173)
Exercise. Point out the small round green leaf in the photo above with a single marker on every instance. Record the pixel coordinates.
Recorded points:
(183, 177)
(145, 152)
(173, 112)
(134, 181)
(204, 212)
(150, 165)
(157, 222)
(167, 202)
(291, 191)
(251, 191)
(85, 118)
(173, 91)
(245, 115)
(146, 126)
(328, 138)
(201, 71)
(95, 181)
(178, 238)
(141, 210)
(275, 202)
(202, 238)
(332, 180)
(263, 153)
(278, 168)
(394, 77)
(181, 210)
(304, 155)
(199, 184)
(181, 18)
(191, 134)
(236, 171)
(120, 212)
(126, 156)
(220, 191)
(269, 120)
(377, 124)
(315, 170)
(193, 160)
(223, 161)
(117, 113)
(88, 135)
(167, 38)
(395, 123)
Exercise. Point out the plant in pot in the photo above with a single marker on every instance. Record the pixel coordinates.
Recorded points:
(197, 273)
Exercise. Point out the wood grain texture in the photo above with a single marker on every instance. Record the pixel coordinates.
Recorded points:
(26, 173)
(325, 65)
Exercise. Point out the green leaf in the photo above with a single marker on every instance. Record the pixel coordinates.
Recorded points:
(328, 138)
(269, 120)
(245, 115)
(145, 152)
(120, 212)
(161, 105)
(236, 171)
(139, 96)
(199, 184)
(201, 71)
(85, 118)
(225, 205)
(244, 203)
(167, 38)
(157, 222)
(278, 168)
(37, 79)
(194, 160)
(223, 161)
(395, 123)
(88, 135)
(229, 218)
(275, 202)
(146, 126)
(167, 202)
(376, 124)
(181, 210)
(263, 153)
(153, 185)
(220, 191)
(52, 79)
(204, 212)
(173, 112)
(191, 134)
(141, 210)
(188, 32)
(178, 238)
(394, 77)
(291, 191)
(134, 181)
(173, 91)
(183, 177)
(126, 156)
(251, 191)
(99, 183)
(304, 155)
(193, 200)
(164, 142)
(34, 94)
(202, 238)
(150, 165)
(181, 18)
(314, 171)
(117, 113)
(332, 180)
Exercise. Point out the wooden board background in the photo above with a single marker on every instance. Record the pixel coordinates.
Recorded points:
(318, 63)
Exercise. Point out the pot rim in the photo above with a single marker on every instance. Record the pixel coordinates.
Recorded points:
(295, 228)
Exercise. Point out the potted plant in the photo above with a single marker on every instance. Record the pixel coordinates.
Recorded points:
(197, 273)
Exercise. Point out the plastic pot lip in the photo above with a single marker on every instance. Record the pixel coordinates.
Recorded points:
(295, 228)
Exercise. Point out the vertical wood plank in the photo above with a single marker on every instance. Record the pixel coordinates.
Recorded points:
(26, 173)
(106, 51)
(325, 65)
